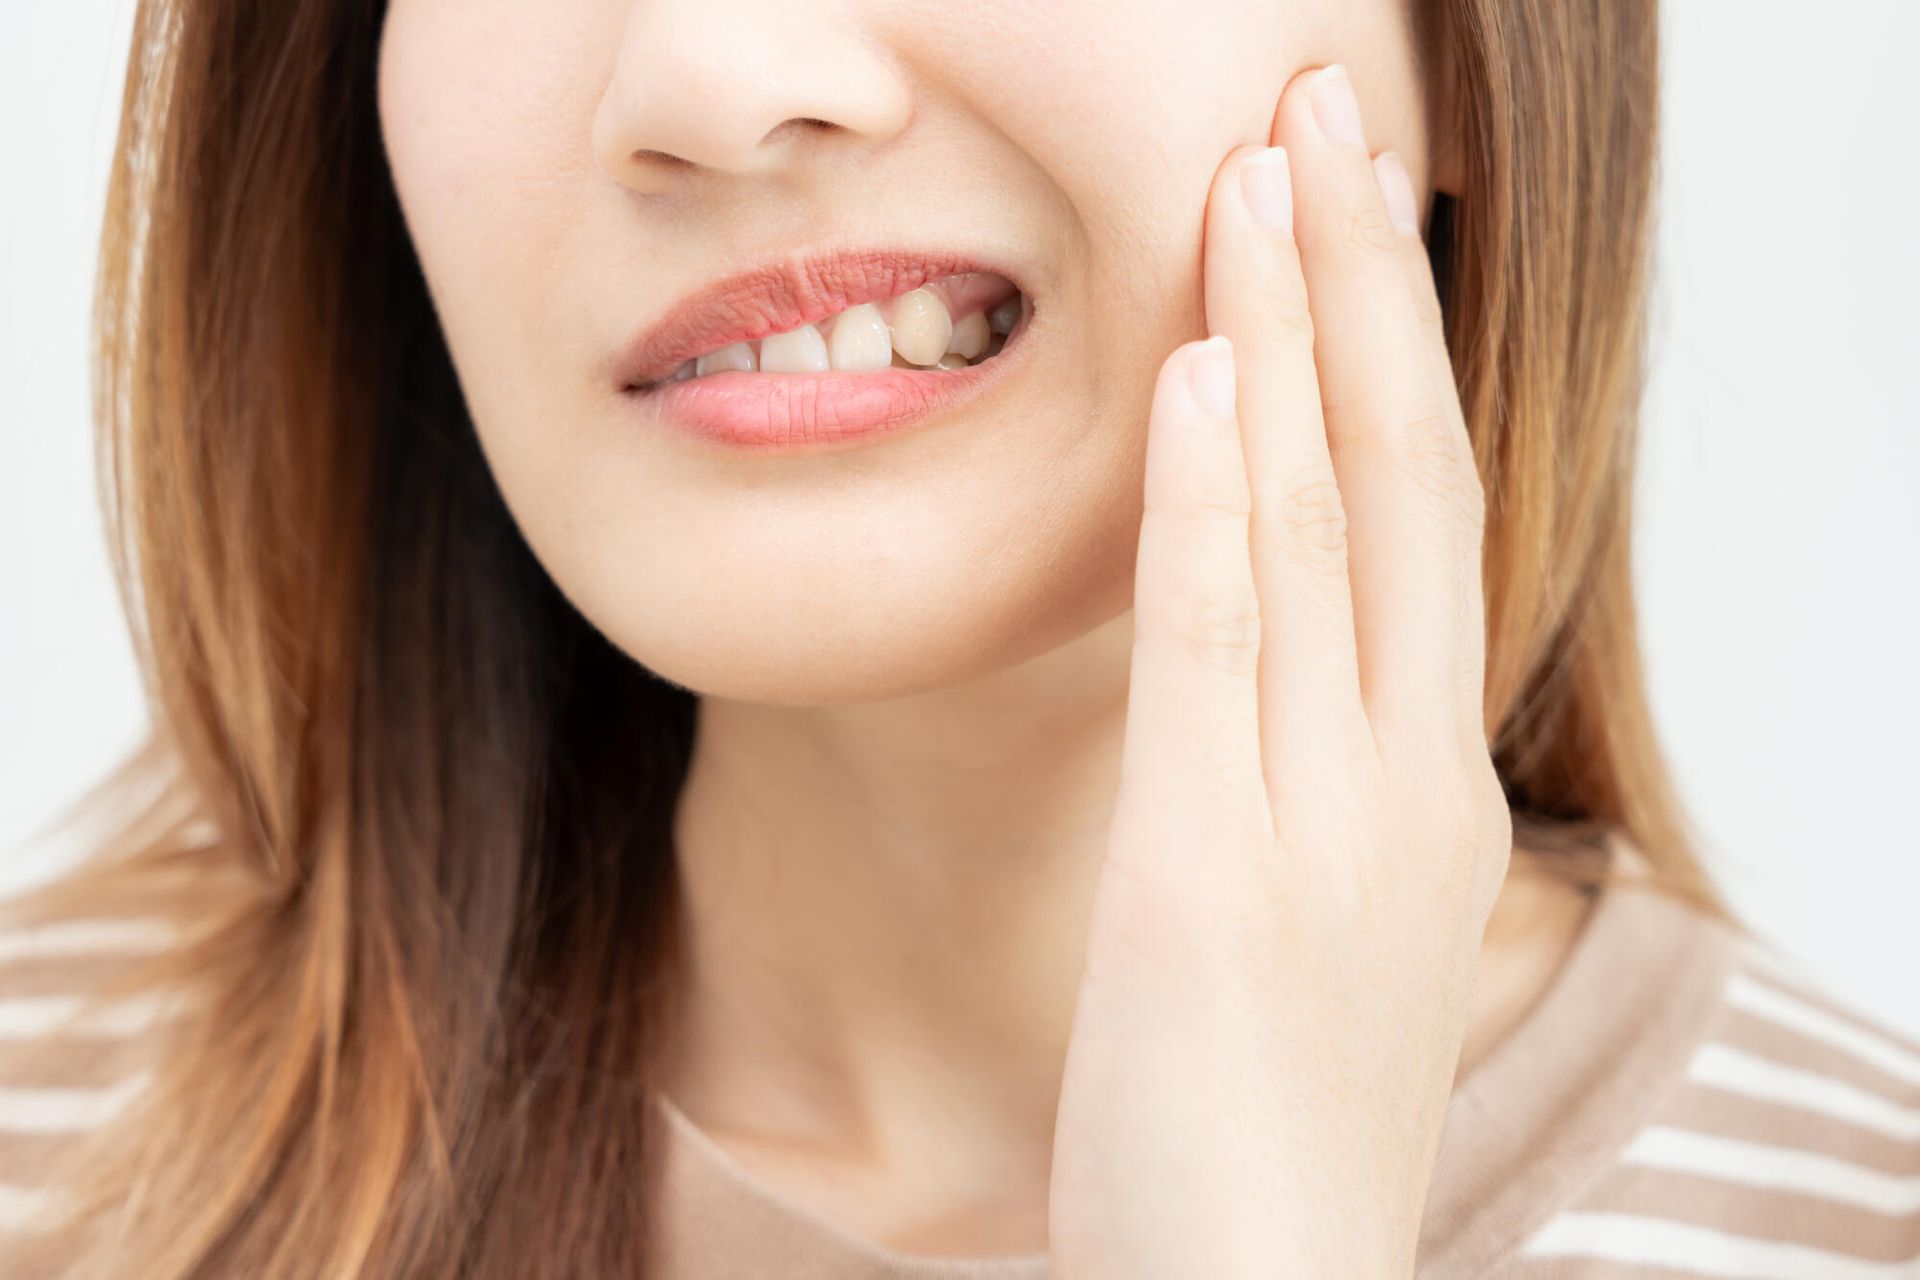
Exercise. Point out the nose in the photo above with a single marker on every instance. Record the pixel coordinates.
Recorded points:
(741, 87)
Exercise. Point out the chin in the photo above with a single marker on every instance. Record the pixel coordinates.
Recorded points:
(813, 646)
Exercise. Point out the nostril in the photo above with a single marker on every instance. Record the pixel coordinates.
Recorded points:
(801, 124)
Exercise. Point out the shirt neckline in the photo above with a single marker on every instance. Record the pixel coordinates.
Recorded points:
(1554, 1098)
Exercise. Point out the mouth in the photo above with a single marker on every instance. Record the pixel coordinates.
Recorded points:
(841, 312)
(825, 347)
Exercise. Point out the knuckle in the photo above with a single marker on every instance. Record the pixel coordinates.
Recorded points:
(1284, 303)
(1314, 519)
(1435, 453)
(1190, 536)
(1199, 519)
(1372, 232)
(1216, 629)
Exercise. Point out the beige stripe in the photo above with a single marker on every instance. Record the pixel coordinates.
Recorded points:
(1818, 1016)
(1737, 1071)
(1804, 987)
(1641, 1242)
(1776, 1042)
(77, 1062)
(1757, 1213)
(26, 976)
(1709, 1110)
(32, 1159)
(1766, 956)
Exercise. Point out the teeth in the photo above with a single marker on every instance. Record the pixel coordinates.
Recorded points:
(921, 327)
(737, 356)
(860, 339)
(800, 350)
(921, 334)
(970, 336)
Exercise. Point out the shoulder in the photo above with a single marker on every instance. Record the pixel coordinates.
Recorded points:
(1788, 1145)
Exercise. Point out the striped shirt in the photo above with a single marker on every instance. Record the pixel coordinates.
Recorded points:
(1681, 1101)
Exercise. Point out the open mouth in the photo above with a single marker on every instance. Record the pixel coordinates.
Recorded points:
(950, 323)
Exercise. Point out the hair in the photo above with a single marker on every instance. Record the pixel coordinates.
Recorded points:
(413, 812)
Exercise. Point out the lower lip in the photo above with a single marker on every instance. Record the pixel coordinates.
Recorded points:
(804, 411)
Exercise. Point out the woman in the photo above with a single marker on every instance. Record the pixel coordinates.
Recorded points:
(725, 707)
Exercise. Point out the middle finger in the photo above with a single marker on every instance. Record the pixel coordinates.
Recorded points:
(1394, 428)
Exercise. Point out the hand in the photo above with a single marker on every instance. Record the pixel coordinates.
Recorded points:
(1310, 834)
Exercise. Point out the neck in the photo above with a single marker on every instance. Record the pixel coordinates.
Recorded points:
(885, 909)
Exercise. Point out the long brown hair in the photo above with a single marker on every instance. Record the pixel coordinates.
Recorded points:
(414, 812)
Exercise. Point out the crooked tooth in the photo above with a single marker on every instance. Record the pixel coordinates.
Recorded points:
(1003, 317)
(970, 336)
(922, 334)
(859, 339)
(922, 327)
(800, 350)
(737, 356)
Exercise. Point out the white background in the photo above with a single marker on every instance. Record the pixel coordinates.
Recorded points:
(1779, 522)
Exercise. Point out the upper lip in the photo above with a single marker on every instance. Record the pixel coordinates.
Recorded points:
(778, 296)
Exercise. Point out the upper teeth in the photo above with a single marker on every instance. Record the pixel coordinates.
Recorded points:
(916, 328)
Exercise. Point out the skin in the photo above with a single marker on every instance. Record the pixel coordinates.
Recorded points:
(992, 789)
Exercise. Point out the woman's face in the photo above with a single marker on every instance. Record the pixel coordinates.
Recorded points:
(570, 172)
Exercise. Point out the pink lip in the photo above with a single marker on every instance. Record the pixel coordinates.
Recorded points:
(788, 411)
(780, 296)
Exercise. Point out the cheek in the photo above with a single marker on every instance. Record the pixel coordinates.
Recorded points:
(1126, 110)
(930, 559)
(482, 104)
(478, 99)
(1130, 108)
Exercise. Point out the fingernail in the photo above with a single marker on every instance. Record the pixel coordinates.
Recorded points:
(1335, 106)
(1210, 375)
(1397, 187)
(1267, 183)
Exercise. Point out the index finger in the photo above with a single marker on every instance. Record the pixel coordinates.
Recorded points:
(1190, 756)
